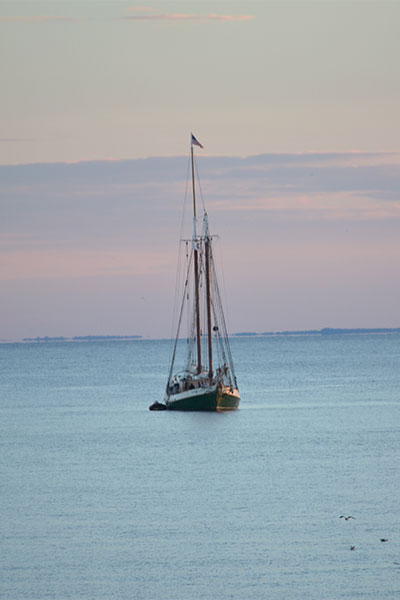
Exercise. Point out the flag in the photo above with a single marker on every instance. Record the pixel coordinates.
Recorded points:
(196, 142)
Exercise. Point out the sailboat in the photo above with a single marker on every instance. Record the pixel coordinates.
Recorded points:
(206, 381)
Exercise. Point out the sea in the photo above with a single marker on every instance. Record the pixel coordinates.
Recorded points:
(103, 499)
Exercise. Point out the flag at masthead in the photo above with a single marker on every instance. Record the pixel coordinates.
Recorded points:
(196, 142)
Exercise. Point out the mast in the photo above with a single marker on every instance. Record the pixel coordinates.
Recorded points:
(208, 296)
(196, 266)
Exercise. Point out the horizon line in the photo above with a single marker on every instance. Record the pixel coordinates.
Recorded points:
(136, 337)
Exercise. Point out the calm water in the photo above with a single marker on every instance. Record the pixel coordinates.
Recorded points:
(102, 498)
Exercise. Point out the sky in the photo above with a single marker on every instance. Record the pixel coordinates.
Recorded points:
(296, 104)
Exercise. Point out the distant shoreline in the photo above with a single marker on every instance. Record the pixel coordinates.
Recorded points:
(80, 338)
(324, 331)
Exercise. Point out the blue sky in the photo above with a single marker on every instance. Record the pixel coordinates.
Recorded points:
(296, 104)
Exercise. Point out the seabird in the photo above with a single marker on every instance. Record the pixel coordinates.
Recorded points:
(346, 518)
(384, 540)
(352, 547)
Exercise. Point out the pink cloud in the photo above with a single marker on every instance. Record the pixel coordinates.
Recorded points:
(150, 14)
(334, 206)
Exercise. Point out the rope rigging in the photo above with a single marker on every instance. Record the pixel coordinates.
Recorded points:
(219, 330)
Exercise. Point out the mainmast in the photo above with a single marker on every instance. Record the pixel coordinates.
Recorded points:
(196, 261)
(208, 297)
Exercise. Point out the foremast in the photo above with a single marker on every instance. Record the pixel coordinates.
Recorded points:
(207, 248)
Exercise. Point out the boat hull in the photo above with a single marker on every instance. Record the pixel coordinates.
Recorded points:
(215, 399)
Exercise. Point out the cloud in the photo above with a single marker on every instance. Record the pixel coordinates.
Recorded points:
(375, 177)
(38, 19)
(137, 13)
(337, 206)
(319, 231)
(123, 193)
(129, 203)
(150, 14)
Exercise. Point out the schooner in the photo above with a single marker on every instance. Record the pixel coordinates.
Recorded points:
(206, 381)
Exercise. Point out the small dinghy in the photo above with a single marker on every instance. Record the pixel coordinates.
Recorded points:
(158, 406)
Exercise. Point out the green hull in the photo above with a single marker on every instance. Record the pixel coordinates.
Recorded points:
(210, 400)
